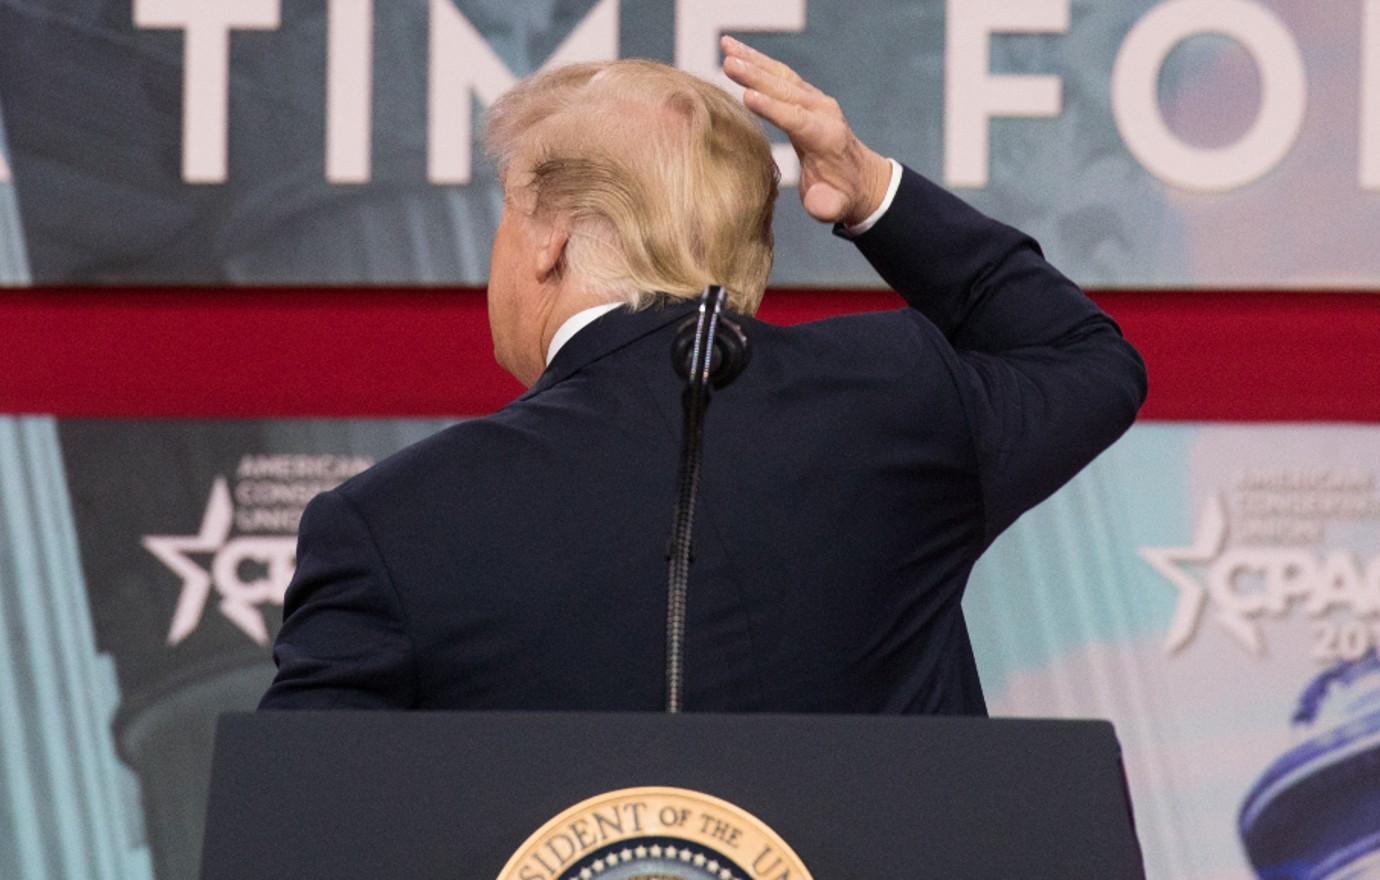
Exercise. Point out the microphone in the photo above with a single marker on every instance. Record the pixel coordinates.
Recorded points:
(731, 352)
(709, 350)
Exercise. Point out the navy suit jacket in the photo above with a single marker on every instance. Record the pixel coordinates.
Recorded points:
(852, 476)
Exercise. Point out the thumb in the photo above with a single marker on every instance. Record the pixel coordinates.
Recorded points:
(825, 203)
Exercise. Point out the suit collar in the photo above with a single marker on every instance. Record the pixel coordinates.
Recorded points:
(574, 324)
(605, 335)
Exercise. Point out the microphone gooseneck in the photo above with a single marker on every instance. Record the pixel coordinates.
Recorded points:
(709, 351)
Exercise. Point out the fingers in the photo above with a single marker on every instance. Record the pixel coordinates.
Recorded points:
(738, 49)
(753, 77)
(777, 93)
(785, 115)
(766, 68)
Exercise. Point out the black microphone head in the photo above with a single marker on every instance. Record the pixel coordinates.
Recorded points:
(728, 357)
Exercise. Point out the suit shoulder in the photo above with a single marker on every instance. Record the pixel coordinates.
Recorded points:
(444, 458)
(903, 332)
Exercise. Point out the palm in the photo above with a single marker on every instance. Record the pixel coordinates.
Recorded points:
(825, 198)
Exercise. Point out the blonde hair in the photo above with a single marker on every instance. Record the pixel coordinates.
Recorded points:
(667, 182)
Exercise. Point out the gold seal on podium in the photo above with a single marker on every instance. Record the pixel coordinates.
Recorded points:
(655, 834)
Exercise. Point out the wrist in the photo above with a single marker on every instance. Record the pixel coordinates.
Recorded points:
(874, 184)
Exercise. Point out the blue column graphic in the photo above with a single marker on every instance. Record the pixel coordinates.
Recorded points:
(68, 807)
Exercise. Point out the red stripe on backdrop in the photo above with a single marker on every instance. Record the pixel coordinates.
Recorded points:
(249, 353)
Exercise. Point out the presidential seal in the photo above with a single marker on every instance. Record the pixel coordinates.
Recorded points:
(654, 834)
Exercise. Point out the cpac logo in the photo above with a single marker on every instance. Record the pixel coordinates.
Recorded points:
(1250, 582)
(240, 600)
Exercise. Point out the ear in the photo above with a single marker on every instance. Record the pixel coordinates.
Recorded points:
(551, 242)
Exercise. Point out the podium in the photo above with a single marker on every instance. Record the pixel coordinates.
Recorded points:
(476, 796)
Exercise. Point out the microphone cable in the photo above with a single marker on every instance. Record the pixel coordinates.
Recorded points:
(709, 350)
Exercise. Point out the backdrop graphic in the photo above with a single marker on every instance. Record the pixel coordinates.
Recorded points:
(1226, 143)
(187, 536)
(1214, 590)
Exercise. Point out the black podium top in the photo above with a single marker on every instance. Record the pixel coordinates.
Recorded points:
(346, 795)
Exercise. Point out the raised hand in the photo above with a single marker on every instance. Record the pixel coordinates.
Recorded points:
(841, 179)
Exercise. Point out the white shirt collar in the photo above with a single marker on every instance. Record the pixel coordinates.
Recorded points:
(574, 324)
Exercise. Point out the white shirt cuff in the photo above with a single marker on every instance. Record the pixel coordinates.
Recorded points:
(859, 228)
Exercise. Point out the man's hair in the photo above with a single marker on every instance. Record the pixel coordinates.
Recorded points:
(667, 182)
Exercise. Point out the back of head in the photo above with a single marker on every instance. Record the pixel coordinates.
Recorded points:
(667, 182)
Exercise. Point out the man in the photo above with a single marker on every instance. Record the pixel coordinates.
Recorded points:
(852, 474)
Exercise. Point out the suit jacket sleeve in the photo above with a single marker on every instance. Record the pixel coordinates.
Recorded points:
(344, 641)
(1046, 379)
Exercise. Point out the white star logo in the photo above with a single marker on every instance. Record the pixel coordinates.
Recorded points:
(1169, 561)
(172, 551)
(1248, 581)
(239, 599)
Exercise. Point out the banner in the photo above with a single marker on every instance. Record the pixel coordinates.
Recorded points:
(1213, 590)
(1182, 143)
(142, 572)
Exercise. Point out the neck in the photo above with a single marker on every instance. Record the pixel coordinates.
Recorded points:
(530, 360)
